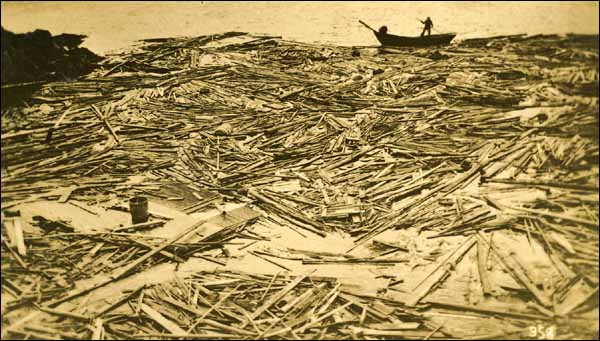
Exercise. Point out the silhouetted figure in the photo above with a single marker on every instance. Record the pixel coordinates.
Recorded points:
(428, 25)
(383, 30)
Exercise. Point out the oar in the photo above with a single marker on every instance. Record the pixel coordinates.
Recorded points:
(367, 26)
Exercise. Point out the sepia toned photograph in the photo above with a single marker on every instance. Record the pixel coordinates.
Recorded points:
(303, 170)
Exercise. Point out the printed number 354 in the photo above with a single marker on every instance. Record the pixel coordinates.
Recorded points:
(542, 332)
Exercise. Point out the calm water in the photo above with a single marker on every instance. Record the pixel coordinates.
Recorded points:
(114, 25)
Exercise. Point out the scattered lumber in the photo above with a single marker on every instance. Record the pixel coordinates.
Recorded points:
(415, 160)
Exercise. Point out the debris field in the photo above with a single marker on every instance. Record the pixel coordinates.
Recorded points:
(304, 191)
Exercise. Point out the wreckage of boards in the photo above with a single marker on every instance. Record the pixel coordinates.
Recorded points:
(300, 190)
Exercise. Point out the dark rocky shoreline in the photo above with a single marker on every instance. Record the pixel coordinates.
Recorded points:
(33, 58)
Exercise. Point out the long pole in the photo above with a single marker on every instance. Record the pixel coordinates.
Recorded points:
(367, 26)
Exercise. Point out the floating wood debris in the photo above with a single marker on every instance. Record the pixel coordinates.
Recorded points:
(460, 183)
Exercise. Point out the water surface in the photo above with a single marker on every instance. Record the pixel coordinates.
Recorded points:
(114, 25)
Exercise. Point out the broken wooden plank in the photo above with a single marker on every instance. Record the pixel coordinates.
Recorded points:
(139, 226)
(279, 295)
(160, 319)
(439, 273)
(482, 256)
(98, 330)
(106, 123)
(518, 272)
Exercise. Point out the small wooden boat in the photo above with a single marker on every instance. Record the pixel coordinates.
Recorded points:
(432, 40)
(393, 40)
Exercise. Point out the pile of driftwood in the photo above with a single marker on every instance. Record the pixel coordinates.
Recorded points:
(489, 149)
(227, 305)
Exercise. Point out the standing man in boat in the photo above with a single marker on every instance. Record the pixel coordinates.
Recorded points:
(428, 25)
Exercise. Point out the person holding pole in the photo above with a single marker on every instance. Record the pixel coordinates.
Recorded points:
(428, 26)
